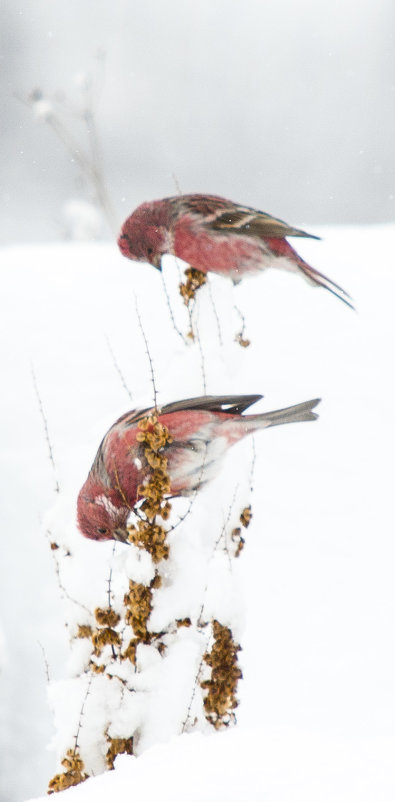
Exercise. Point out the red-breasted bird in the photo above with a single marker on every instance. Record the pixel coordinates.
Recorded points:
(201, 429)
(215, 235)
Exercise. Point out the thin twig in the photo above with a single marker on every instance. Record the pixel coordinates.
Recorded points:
(45, 662)
(202, 365)
(109, 580)
(253, 463)
(118, 369)
(114, 654)
(79, 725)
(61, 586)
(196, 680)
(149, 356)
(221, 342)
(172, 318)
(45, 422)
(240, 335)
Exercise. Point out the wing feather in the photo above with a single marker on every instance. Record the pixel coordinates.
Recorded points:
(224, 215)
(234, 404)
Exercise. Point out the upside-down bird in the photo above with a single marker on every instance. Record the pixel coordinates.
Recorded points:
(200, 430)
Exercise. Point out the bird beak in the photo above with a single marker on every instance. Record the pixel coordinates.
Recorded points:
(122, 535)
(157, 261)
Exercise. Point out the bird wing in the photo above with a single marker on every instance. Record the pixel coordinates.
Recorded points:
(234, 404)
(255, 224)
(226, 216)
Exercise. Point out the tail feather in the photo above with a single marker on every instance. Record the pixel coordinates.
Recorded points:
(295, 414)
(319, 280)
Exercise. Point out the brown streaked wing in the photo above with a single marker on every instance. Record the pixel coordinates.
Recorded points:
(255, 224)
(234, 404)
(202, 205)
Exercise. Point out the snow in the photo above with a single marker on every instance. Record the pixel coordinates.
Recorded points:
(281, 767)
(312, 598)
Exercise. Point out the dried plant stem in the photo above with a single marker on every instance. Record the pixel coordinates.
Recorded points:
(66, 595)
(201, 627)
(202, 363)
(172, 318)
(45, 662)
(214, 308)
(118, 369)
(240, 336)
(82, 710)
(45, 422)
(155, 392)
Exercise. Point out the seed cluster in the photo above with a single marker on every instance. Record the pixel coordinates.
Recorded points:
(221, 700)
(105, 634)
(147, 533)
(244, 342)
(153, 436)
(118, 746)
(245, 516)
(74, 774)
(238, 539)
(138, 606)
(194, 280)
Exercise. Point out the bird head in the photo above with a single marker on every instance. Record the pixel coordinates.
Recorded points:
(100, 519)
(144, 236)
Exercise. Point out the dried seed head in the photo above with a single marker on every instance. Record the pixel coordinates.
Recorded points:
(118, 746)
(220, 700)
(245, 516)
(194, 280)
(105, 637)
(107, 617)
(74, 774)
(84, 631)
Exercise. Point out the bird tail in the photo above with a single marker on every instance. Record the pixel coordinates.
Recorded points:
(295, 414)
(319, 280)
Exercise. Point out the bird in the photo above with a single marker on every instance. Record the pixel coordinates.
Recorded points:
(201, 430)
(215, 235)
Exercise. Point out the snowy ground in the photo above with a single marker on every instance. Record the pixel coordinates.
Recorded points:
(316, 719)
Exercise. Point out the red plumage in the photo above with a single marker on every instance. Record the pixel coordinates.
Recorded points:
(201, 429)
(215, 235)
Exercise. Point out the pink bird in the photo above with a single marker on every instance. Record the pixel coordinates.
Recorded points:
(201, 429)
(215, 235)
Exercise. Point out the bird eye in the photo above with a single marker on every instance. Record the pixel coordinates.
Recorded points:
(150, 251)
(102, 530)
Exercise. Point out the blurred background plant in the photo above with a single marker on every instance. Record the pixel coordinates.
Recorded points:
(289, 111)
(73, 121)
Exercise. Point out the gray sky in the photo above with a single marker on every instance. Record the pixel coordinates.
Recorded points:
(289, 107)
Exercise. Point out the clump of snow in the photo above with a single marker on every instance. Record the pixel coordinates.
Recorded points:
(316, 713)
(160, 695)
(255, 764)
